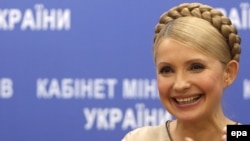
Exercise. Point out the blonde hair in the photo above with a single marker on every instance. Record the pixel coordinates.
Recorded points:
(202, 27)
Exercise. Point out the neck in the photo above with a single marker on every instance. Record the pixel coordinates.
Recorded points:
(200, 129)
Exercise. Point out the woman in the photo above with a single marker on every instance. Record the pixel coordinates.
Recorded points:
(196, 54)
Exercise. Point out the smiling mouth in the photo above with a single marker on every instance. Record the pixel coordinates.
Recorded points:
(187, 100)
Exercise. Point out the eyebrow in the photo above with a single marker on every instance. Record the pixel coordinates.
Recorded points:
(186, 62)
(195, 60)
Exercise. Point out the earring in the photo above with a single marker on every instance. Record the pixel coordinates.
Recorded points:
(226, 81)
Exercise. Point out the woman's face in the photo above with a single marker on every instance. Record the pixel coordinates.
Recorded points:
(190, 83)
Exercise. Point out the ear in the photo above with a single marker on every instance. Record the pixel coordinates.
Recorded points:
(231, 72)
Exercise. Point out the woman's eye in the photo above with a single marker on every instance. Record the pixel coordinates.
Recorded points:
(165, 70)
(197, 67)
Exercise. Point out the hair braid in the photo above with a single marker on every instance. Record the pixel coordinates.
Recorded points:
(215, 17)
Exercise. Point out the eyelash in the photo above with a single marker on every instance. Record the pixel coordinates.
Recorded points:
(166, 69)
(196, 67)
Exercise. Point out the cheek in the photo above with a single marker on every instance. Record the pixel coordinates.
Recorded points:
(164, 86)
(211, 83)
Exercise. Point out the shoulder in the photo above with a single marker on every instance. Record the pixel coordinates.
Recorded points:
(148, 133)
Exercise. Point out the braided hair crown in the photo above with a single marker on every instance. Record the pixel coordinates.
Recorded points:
(213, 16)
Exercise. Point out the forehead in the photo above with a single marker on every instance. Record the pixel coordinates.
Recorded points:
(169, 45)
(172, 50)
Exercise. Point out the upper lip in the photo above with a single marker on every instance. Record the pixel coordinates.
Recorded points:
(185, 96)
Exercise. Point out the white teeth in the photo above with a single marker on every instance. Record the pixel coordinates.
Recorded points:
(187, 100)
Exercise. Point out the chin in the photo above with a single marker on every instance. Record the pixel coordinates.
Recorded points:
(187, 116)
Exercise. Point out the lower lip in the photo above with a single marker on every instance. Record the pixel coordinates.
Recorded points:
(188, 105)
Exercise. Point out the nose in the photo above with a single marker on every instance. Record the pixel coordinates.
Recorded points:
(181, 83)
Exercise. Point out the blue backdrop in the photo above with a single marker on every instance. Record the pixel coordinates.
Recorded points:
(84, 71)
